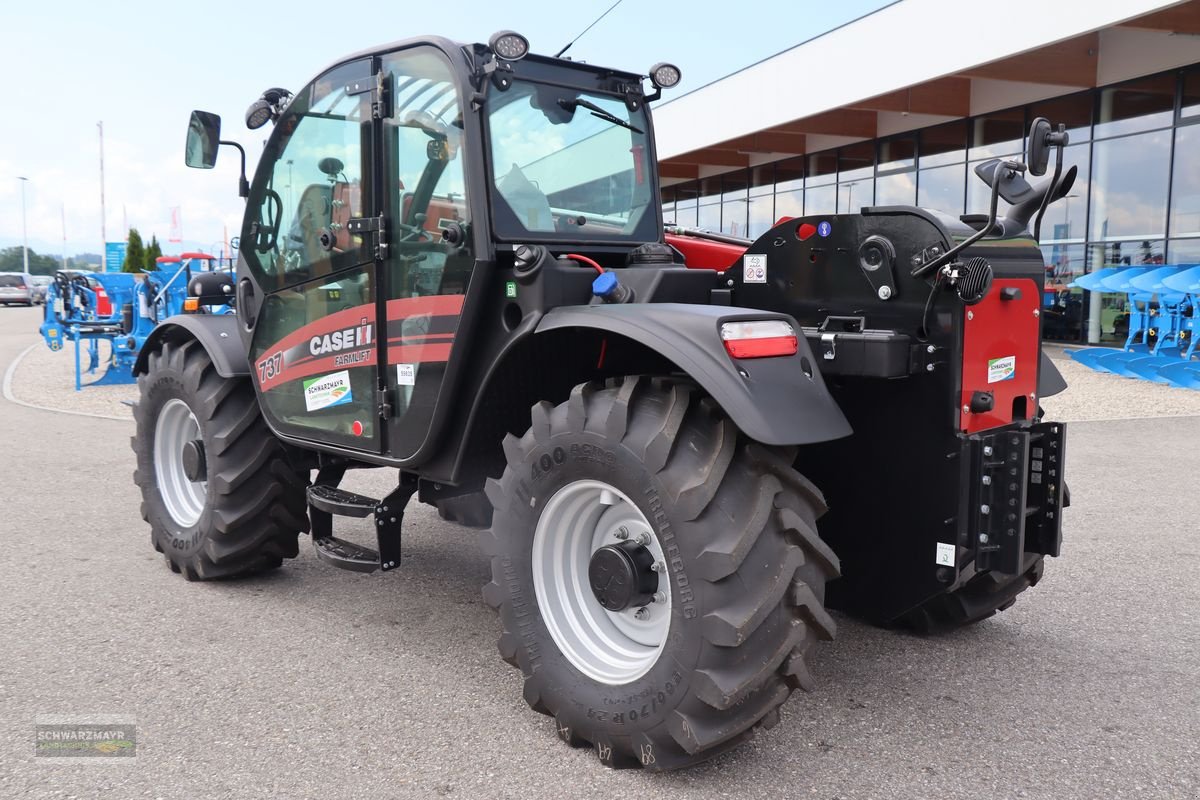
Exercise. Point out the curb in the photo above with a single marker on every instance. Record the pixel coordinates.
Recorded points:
(8, 395)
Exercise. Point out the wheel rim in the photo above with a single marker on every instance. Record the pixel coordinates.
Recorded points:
(614, 648)
(184, 498)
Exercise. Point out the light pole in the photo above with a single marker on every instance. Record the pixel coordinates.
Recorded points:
(24, 228)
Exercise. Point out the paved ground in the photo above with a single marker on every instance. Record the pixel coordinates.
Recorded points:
(315, 683)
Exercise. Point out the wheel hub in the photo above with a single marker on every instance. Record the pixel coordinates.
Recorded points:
(195, 465)
(599, 575)
(622, 575)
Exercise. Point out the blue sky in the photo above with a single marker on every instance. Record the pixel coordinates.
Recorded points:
(142, 69)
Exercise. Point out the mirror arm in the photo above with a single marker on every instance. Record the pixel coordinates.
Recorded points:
(945, 257)
(1059, 139)
(243, 184)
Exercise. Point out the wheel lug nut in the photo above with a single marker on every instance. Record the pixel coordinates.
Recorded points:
(658, 566)
(660, 597)
(642, 613)
(643, 539)
(622, 533)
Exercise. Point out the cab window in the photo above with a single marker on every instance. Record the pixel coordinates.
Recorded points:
(315, 183)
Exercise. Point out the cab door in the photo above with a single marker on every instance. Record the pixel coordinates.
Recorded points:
(424, 277)
(315, 347)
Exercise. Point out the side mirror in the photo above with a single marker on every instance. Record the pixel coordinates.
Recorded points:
(203, 137)
(1038, 151)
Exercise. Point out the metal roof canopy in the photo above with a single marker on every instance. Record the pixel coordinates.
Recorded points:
(913, 64)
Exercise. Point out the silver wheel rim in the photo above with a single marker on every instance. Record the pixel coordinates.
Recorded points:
(614, 648)
(184, 498)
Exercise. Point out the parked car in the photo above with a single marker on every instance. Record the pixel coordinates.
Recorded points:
(15, 287)
(40, 284)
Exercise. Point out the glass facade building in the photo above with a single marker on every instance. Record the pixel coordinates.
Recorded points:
(1136, 199)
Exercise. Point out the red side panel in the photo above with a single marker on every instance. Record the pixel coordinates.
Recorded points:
(1001, 354)
(705, 253)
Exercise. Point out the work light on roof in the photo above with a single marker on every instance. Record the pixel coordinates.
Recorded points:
(258, 114)
(508, 45)
(664, 75)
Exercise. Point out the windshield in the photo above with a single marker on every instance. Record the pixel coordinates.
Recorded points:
(11, 281)
(569, 164)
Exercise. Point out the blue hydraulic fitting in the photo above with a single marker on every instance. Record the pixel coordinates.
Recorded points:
(608, 288)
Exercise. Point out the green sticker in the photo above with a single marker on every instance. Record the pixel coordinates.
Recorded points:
(510, 289)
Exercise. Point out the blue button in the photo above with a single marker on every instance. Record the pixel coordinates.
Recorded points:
(824, 228)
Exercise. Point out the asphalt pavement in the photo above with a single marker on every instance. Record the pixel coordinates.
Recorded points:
(311, 682)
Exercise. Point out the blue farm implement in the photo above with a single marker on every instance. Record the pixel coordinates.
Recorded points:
(121, 309)
(1161, 344)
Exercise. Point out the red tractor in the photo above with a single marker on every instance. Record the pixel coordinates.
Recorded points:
(453, 264)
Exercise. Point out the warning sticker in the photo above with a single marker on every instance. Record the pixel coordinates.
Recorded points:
(1002, 369)
(754, 269)
(945, 555)
(406, 374)
(328, 391)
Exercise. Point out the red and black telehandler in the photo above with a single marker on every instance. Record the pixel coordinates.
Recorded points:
(681, 448)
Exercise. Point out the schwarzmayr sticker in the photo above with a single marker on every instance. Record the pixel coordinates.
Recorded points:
(1002, 369)
(328, 391)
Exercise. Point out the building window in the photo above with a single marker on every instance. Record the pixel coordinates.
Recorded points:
(1189, 108)
(896, 177)
(1066, 220)
(789, 188)
(1136, 106)
(942, 188)
(998, 135)
(1185, 183)
(1064, 315)
(709, 203)
(760, 205)
(1129, 180)
(820, 184)
(734, 194)
(856, 177)
(943, 144)
(1074, 111)
(685, 203)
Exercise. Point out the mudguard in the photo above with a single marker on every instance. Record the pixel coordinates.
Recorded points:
(217, 333)
(778, 401)
(1050, 380)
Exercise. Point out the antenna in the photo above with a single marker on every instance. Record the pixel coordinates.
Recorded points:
(585, 30)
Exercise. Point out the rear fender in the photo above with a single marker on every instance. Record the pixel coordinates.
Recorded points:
(777, 401)
(217, 334)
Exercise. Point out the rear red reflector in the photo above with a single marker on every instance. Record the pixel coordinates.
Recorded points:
(762, 348)
(806, 231)
(759, 338)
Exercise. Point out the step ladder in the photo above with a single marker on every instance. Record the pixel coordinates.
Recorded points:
(326, 500)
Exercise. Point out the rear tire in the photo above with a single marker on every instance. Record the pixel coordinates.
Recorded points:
(246, 515)
(745, 572)
(979, 598)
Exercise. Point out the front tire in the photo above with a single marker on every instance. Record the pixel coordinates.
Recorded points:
(245, 509)
(732, 528)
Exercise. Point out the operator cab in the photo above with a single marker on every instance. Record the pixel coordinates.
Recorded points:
(390, 190)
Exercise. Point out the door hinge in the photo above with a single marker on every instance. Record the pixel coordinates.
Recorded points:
(359, 226)
(383, 401)
(377, 85)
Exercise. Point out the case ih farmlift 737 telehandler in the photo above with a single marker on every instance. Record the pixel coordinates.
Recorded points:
(453, 265)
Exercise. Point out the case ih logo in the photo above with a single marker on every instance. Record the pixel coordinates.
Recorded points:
(345, 339)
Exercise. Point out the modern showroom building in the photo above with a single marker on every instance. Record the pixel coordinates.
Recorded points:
(899, 106)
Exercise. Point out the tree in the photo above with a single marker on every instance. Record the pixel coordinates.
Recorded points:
(152, 253)
(12, 260)
(135, 253)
